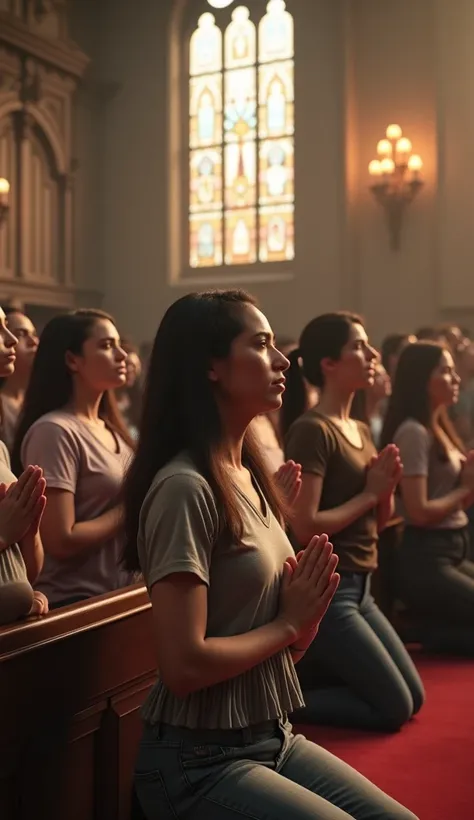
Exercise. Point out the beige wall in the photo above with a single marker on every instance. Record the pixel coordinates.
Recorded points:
(394, 58)
(455, 75)
(360, 65)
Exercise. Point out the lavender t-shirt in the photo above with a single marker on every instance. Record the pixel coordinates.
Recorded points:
(74, 459)
(420, 458)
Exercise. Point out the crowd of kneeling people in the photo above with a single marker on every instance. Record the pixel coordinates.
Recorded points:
(256, 486)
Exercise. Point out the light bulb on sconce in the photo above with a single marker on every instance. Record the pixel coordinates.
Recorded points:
(393, 132)
(415, 164)
(375, 168)
(220, 4)
(396, 178)
(4, 192)
(387, 165)
(403, 148)
(384, 148)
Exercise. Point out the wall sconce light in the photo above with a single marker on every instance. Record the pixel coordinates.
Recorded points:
(220, 4)
(396, 179)
(4, 206)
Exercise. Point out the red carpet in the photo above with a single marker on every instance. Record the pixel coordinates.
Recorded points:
(429, 765)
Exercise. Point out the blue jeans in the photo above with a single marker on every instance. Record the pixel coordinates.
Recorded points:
(378, 685)
(262, 772)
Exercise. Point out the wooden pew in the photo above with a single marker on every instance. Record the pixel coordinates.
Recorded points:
(71, 687)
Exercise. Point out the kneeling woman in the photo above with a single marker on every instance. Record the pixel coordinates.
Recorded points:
(232, 608)
(347, 492)
(435, 578)
(22, 504)
(71, 428)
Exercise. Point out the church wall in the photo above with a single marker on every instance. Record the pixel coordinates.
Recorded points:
(360, 65)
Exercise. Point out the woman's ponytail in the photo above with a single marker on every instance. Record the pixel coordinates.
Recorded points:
(295, 397)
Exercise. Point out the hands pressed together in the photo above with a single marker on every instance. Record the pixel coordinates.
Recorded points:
(21, 509)
(309, 583)
(384, 473)
(310, 579)
(288, 479)
(22, 506)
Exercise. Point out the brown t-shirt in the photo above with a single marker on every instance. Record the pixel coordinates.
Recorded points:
(315, 442)
(74, 459)
(16, 593)
(179, 532)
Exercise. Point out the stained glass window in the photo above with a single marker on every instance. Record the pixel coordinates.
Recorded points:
(240, 40)
(276, 97)
(206, 110)
(206, 240)
(240, 175)
(240, 237)
(206, 180)
(276, 171)
(206, 47)
(241, 137)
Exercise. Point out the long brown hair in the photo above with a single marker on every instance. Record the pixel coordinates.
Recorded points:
(51, 382)
(410, 396)
(180, 411)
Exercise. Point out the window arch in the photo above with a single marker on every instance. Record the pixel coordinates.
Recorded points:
(241, 139)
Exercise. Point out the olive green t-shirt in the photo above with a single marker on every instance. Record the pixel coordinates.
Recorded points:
(179, 532)
(315, 442)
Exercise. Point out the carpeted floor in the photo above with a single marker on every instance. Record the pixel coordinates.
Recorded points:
(429, 765)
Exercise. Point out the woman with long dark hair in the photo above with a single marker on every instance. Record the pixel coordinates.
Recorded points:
(232, 608)
(13, 387)
(347, 491)
(71, 428)
(22, 504)
(435, 578)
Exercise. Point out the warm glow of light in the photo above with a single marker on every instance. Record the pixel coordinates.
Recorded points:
(206, 20)
(384, 148)
(394, 132)
(220, 4)
(4, 186)
(375, 168)
(387, 165)
(415, 163)
(404, 146)
(276, 5)
(240, 14)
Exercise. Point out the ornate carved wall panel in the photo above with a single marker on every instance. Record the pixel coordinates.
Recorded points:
(8, 164)
(40, 69)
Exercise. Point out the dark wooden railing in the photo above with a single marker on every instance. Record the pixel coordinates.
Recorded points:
(71, 687)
